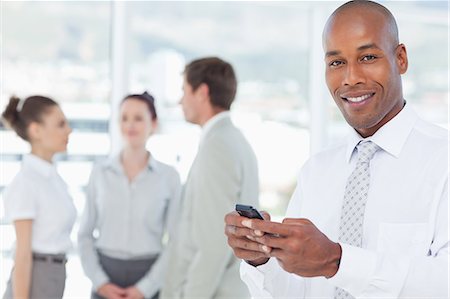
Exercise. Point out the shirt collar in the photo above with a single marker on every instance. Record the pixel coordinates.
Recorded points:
(212, 122)
(39, 165)
(391, 137)
(115, 163)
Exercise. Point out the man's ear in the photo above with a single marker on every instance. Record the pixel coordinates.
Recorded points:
(401, 58)
(203, 91)
(34, 131)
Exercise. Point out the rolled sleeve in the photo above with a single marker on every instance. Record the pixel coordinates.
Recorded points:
(20, 201)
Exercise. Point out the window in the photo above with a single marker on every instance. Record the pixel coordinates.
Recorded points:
(63, 49)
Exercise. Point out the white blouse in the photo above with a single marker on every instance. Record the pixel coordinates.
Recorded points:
(39, 193)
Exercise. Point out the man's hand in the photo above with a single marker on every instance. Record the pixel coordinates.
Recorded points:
(111, 291)
(298, 245)
(242, 239)
(133, 293)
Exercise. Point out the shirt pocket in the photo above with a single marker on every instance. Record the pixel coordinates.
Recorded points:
(404, 238)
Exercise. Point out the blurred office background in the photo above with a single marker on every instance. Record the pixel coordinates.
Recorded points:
(88, 55)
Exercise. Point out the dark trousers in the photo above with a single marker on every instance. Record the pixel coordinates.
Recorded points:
(124, 273)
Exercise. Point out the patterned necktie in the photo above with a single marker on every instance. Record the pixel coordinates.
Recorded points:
(355, 197)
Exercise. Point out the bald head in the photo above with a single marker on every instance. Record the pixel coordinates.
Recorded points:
(364, 63)
(365, 9)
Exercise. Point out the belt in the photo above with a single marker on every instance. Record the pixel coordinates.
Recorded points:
(50, 258)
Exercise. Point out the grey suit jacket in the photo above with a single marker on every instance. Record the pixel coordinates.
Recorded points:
(224, 173)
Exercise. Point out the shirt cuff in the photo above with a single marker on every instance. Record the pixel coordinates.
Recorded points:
(99, 280)
(147, 288)
(255, 278)
(356, 268)
(256, 274)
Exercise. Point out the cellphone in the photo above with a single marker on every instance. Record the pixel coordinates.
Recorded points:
(248, 211)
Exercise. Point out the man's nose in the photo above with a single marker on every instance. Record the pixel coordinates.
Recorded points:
(354, 74)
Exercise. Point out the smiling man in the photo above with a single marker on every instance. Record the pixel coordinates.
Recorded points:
(369, 217)
(364, 61)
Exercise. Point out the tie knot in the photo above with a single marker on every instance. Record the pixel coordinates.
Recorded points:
(366, 151)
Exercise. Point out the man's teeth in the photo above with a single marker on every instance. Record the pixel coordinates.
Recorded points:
(358, 99)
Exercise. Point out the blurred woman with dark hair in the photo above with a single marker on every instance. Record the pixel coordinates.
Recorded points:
(37, 201)
(132, 202)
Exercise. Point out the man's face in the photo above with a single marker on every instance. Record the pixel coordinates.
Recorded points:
(363, 68)
(190, 103)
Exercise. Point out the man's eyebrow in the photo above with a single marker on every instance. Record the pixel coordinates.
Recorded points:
(368, 46)
(360, 48)
(332, 53)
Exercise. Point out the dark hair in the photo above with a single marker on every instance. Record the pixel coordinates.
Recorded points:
(19, 114)
(147, 99)
(218, 75)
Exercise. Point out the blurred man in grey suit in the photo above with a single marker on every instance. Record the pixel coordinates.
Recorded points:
(223, 173)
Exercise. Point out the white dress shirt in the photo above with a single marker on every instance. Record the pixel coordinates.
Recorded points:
(405, 247)
(131, 219)
(39, 193)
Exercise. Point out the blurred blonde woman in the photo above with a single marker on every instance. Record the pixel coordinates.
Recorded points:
(132, 201)
(37, 201)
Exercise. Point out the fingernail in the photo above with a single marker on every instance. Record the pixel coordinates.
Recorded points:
(247, 223)
(259, 233)
(265, 248)
(250, 237)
